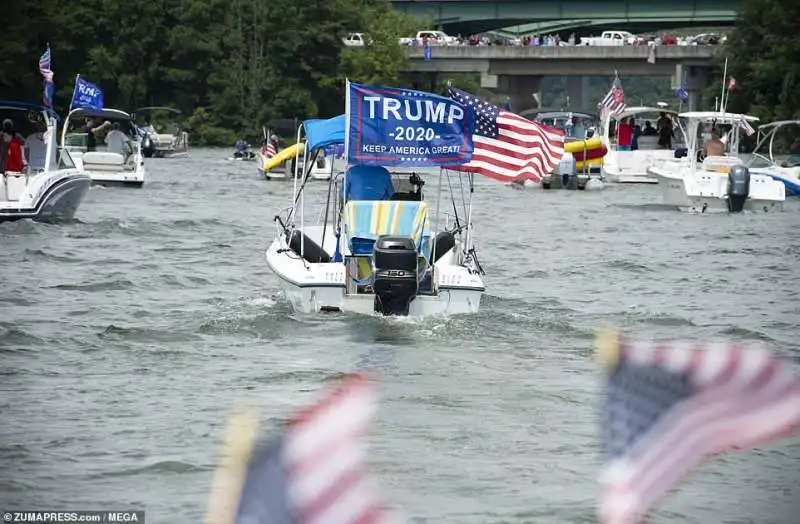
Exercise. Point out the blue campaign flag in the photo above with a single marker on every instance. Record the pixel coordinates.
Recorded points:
(388, 126)
(87, 95)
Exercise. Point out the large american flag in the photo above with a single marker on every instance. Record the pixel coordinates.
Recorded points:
(671, 405)
(509, 147)
(312, 473)
(45, 68)
(614, 101)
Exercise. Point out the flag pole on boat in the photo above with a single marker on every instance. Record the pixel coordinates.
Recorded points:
(73, 93)
(722, 100)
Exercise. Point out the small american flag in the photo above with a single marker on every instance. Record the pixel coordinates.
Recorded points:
(45, 68)
(669, 406)
(310, 474)
(509, 147)
(614, 101)
(269, 150)
(732, 84)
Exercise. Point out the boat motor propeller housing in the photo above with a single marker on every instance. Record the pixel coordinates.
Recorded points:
(148, 148)
(738, 188)
(395, 279)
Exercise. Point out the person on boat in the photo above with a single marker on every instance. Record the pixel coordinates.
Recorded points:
(368, 183)
(92, 128)
(665, 132)
(35, 149)
(117, 141)
(714, 146)
(649, 130)
(13, 161)
(241, 149)
(624, 135)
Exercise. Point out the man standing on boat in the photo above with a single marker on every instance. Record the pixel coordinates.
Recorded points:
(714, 146)
(665, 132)
(91, 130)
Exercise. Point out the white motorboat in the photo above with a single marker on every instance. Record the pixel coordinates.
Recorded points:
(246, 156)
(781, 161)
(119, 161)
(628, 164)
(389, 251)
(51, 188)
(172, 143)
(716, 183)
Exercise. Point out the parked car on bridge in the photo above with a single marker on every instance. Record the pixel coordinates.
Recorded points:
(609, 38)
(356, 40)
(434, 38)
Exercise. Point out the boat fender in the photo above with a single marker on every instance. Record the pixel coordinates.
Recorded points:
(738, 188)
(312, 252)
(442, 243)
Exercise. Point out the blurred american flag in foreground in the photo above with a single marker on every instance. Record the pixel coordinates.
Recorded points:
(312, 473)
(671, 405)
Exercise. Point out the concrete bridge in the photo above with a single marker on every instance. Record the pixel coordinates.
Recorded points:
(517, 70)
(467, 16)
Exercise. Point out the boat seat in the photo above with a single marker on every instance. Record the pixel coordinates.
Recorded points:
(105, 161)
(720, 164)
(366, 220)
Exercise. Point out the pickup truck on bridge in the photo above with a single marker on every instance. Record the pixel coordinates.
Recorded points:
(610, 38)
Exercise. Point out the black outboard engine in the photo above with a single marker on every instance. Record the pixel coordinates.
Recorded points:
(395, 282)
(738, 188)
(148, 148)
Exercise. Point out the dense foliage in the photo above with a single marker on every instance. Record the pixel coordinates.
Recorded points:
(763, 54)
(230, 65)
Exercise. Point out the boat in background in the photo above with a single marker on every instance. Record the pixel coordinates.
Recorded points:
(51, 188)
(630, 166)
(392, 257)
(122, 166)
(173, 143)
(783, 164)
(716, 183)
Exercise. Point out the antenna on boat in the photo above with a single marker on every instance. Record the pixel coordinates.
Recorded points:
(724, 81)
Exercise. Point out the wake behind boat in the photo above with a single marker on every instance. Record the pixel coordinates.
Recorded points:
(119, 161)
(378, 245)
(50, 188)
(719, 182)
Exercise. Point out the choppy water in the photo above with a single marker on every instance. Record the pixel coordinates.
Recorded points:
(127, 337)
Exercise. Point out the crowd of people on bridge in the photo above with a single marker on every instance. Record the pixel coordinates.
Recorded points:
(554, 39)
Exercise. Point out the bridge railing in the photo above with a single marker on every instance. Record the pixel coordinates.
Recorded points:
(567, 52)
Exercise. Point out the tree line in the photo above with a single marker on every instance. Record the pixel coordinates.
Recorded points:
(232, 66)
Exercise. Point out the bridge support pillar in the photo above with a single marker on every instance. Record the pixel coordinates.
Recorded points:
(425, 81)
(577, 92)
(522, 91)
(695, 80)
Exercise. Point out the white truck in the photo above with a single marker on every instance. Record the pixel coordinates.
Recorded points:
(434, 38)
(609, 38)
(355, 40)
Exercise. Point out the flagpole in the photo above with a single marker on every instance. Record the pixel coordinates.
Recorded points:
(724, 81)
(73, 93)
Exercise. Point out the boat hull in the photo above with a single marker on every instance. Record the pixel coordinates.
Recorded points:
(630, 167)
(58, 202)
(313, 288)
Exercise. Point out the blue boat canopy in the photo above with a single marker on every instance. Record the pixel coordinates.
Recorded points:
(25, 106)
(323, 133)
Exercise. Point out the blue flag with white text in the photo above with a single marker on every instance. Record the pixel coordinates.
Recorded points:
(87, 95)
(389, 126)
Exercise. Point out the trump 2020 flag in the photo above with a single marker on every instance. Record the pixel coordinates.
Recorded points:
(389, 126)
(87, 95)
(312, 473)
(671, 405)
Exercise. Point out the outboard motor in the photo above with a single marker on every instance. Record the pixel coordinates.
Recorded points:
(738, 188)
(567, 171)
(395, 278)
(147, 147)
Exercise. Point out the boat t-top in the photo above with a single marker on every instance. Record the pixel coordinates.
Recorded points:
(638, 138)
(171, 142)
(777, 154)
(374, 243)
(48, 187)
(700, 183)
(111, 157)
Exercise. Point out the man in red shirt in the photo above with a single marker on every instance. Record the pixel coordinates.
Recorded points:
(13, 161)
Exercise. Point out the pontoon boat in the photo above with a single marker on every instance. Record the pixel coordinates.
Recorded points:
(51, 188)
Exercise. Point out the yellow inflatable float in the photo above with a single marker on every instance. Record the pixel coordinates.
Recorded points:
(283, 156)
(593, 162)
(580, 145)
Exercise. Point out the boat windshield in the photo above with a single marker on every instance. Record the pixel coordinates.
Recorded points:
(783, 148)
(64, 159)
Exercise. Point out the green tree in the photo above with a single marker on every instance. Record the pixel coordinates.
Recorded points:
(764, 57)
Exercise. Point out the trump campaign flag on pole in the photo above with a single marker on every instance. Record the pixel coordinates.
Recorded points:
(87, 95)
(311, 473)
(388, 126)
(671, 405)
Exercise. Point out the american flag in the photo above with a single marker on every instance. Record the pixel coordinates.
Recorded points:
(310, 474)
(614, 101)
(732, 84)
(47, 73)
(669, 406)
(509, 147)
(269, 150)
